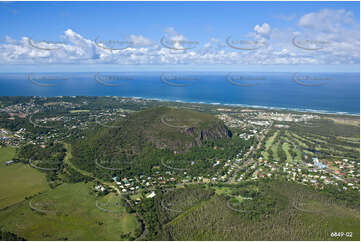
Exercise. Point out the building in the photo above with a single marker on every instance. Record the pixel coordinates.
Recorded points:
(9, 162)
(318, 164)
(151, 195)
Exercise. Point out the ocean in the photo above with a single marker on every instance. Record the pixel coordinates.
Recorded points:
(313, 92)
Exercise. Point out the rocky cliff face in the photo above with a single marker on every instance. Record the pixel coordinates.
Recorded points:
(177, 130)
(215, 132)
(192, 136)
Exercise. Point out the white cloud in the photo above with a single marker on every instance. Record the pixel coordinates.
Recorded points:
(263, 30)
(326, 20)
(343, 46)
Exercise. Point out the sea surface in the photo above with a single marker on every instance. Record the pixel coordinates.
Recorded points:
(314, 92)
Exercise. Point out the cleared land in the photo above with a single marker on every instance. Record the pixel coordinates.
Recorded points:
(297, 141)
(18, 181)
(71, 212)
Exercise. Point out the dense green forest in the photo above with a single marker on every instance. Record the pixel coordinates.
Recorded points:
(203, 213)
(142, 142)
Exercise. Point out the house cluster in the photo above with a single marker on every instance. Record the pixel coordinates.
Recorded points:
(126, 185)
(13, 138)
(248, 135)
(316, 174)
(69, 122)
(260, 123)
(318, 164)
(133, 185)
(287, 117)
(231, 121)
(262, 118)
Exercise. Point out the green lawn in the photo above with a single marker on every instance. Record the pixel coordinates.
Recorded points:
(71, 212)
(286, 148)
(135, 196)
(79, 111)
(228, 190)
(18, 180)
(222, 190)
(6, 153)
(269, 143)
(295, 148)
(274, 149)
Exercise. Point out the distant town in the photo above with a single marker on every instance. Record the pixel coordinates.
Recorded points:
(62, 118)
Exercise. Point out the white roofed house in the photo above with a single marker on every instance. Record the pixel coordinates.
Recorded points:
(151, 195)
(100, 188)
(9, 162)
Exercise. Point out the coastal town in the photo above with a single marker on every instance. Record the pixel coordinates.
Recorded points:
(180, 121)
(258, 126)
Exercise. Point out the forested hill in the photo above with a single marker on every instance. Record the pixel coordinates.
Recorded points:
(148, 134)
(177, 130)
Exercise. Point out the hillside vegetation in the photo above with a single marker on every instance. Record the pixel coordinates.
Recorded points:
(265, 211)
(144, 139)
(166, 128)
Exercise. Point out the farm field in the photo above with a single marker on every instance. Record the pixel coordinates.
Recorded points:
(71, 212)
(6, 153)
(18, 181)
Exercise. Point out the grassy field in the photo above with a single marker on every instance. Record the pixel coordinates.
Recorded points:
(269, 144)
(79, 111)
(293, 143)
(18, 180)
(274, 149)
(286, 148)
(229, 190)
(71, 212)
(295, 146)
(6, 153)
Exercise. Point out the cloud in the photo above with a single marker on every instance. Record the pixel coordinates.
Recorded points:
(338, 30)
(140, 40)
(327, 20)
(263, 30)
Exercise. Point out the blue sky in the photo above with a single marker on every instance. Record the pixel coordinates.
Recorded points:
(65, 34)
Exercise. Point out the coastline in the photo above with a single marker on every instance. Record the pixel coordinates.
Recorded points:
(337, 99)
(300, 110)
(259, 107)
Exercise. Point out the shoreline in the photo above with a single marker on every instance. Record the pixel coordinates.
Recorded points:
(267, 108)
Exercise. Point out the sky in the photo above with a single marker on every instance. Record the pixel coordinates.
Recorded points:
(112, 36)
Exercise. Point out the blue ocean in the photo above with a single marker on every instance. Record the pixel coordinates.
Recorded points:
(317, 92)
